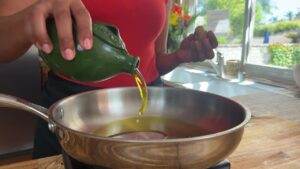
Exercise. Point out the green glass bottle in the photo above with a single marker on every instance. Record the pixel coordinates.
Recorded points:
(107, 58)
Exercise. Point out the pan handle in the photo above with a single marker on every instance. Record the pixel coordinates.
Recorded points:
(18, 103)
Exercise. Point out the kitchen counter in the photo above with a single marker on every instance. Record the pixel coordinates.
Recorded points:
(271, 139)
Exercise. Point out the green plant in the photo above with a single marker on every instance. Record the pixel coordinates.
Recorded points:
(222, 39)
(296, 58)
(284, 55)
(277, 27)
(281, 55)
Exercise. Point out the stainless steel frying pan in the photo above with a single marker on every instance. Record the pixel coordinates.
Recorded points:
(74, 119)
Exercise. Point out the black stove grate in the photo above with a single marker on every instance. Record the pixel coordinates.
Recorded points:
(71, 163)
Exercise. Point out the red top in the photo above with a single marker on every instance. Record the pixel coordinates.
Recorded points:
(140, 22)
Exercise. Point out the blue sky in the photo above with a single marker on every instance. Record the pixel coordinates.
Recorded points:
(284, 6)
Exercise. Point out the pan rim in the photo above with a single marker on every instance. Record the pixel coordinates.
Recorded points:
(234, 129)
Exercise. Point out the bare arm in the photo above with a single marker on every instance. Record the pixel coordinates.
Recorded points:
(10, 7)
(165, 62)
(13, 38)
(196, 47)
(23, 23)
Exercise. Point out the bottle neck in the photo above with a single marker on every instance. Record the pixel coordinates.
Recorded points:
(131, 64)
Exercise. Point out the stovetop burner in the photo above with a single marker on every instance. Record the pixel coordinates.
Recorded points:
(71, 163)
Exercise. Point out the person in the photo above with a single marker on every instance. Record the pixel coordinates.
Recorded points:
(266, 37)
(143, 26)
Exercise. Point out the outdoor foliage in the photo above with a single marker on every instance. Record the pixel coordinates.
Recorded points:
(296, 58)
(236, 11)
(180, 20)
(222, 40)
(277, 27)
(284, 55)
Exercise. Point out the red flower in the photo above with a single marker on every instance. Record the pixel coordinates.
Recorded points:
(177, 9)
(186, 18)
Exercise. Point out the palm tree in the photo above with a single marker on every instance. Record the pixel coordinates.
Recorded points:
(290, 15)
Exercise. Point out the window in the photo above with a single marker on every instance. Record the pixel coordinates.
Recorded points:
(226, 19)
(276, 35)
(272, 45)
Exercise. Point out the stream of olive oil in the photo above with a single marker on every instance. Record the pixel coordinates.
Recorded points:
(142, 86)
(148, 127)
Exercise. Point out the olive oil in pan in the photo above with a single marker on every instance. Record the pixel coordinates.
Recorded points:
(150, 127)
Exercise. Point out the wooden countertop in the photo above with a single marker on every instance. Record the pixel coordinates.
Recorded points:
(269, 141)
